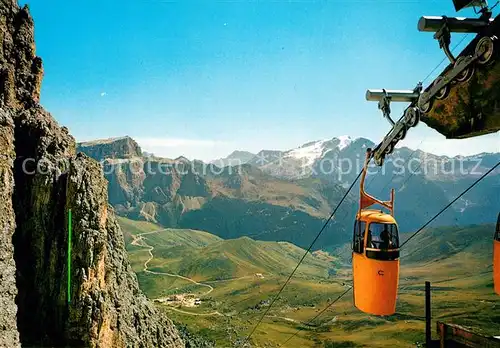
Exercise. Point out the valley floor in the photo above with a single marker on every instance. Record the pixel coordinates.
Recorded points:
(473, 306)
(229, 308)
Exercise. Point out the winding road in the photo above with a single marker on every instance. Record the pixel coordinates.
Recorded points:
(141, 242)
(197, 314)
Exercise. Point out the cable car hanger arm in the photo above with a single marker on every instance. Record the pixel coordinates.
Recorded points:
(366, 200)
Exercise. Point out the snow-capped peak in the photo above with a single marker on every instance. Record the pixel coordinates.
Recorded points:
(345, 141)
(308, 153)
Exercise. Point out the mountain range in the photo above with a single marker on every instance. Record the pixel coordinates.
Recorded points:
(287, 195)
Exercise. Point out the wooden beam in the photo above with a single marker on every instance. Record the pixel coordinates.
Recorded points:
(452, 335)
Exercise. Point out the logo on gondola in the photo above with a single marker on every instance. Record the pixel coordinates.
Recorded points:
(380, 272)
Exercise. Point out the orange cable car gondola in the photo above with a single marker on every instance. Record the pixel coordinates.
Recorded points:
(375, 254)
(496, 257)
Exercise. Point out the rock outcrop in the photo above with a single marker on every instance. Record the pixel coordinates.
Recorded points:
(8, 329)
(123, 147)
(41, 181)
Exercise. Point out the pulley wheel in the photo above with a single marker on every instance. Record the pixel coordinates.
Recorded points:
(424, 108)
(443, 92)
(487, 46)
(466, 74)
(379, 161)
(412, 116)
(401, 134)
(388, 150)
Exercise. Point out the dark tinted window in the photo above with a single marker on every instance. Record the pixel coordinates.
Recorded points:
(383, 236)
(389, 255)
(358, 236)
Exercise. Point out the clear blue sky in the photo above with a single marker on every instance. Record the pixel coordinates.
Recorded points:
(202, 78)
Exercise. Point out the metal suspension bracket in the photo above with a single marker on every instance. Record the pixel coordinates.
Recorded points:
(443, 35)
(384, 105)
(419, 87)
(461, 4)
(398, 131)
(484, 9)
(486, 12)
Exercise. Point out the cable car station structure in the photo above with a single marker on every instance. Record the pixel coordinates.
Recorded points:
(464, 100)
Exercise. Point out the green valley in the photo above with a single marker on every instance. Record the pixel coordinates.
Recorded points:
(236, 279)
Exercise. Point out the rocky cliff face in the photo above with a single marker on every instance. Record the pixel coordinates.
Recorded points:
(8, 329)
(124, 147)
(41, 180)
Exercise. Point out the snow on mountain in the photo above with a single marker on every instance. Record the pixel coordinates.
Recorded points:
(307, 153)
(312, 151)
(329, 158)
(345, 141)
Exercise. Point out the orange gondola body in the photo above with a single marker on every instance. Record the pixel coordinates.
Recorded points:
(375, 257)
(496, 257)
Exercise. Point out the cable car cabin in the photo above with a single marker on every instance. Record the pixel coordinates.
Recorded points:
(375, 262)
(496, 257)
(375, 255)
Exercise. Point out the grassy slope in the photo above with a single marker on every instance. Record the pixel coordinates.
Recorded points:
(237, 258)
(445, 242)
(166, 237)
(132, 227)
(203, 256)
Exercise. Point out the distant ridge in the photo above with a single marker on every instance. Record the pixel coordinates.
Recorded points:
(103, 141)
(285, 195)
(119, 147)
(235, 158)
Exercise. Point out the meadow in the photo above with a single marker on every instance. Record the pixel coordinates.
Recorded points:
(246, 274)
